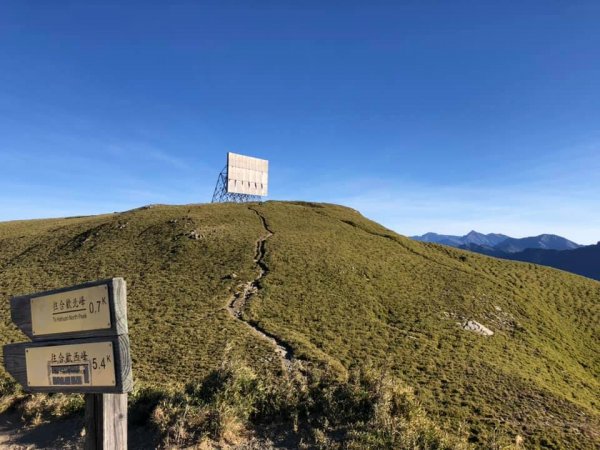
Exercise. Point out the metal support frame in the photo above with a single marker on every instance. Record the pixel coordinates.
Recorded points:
(220, 195)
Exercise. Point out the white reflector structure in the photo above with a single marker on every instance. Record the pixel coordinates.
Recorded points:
(247, 175)
(244, 179)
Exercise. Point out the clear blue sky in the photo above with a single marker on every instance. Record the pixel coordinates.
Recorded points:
(439, 116)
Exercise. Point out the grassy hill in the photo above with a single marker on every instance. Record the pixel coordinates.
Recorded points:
(339, 291)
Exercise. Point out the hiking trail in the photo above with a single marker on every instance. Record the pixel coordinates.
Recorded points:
(246, 291)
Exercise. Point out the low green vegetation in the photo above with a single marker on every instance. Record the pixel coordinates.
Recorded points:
(305, 407)
(234, 404)
(355, 302)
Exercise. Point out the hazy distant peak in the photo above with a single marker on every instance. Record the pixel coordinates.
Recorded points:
(472, 237)
(498, 241)
(543, 241)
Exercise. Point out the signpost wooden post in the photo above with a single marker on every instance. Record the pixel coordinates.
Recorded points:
(80, 345)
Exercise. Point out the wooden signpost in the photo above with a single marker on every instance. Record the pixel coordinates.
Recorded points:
(80, 345)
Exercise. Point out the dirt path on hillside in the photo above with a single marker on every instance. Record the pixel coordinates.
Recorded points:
(245, 292)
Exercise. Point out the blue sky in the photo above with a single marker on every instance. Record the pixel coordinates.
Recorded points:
(425, 116)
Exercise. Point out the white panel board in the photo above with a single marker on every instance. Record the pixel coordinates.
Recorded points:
(247, 175)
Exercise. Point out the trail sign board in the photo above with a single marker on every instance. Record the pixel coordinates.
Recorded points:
(91, 309)
(80, 345)
(90, 365)
(71, 365)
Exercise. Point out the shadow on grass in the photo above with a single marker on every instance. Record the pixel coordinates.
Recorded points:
(63, 434)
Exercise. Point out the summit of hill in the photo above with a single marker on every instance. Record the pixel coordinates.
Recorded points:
(488, 345)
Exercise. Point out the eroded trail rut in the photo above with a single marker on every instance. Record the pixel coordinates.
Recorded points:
(245, 292)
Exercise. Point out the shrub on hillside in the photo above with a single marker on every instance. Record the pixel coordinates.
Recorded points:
(369, 409)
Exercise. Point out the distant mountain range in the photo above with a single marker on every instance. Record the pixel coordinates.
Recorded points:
(487, 240)
(502, 242)
(545, 249)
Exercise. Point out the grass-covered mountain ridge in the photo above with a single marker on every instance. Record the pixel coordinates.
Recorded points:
(336, 290)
